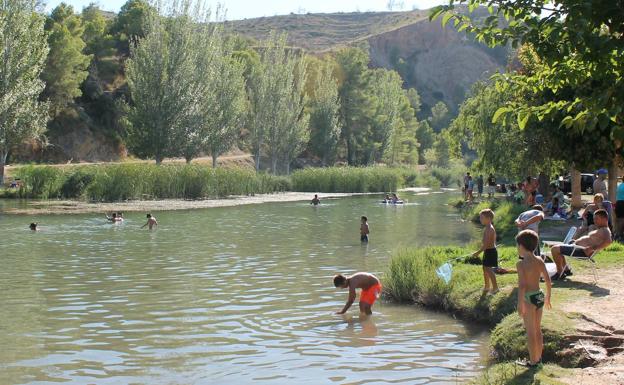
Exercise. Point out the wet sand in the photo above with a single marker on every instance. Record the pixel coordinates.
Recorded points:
(38, 207)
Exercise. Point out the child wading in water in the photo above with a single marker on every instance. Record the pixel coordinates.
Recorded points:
(490, 254)
(530, 298)
(151, 221)
(371, 289)
(364, 230)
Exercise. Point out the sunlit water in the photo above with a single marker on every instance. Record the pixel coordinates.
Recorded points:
(232, 295)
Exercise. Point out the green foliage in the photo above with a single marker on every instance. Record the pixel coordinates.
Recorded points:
(279, 123)
(425, 137)
(117, 182)
(439, 118)
(133, 20)
(95, 34)
(439, 155)
(347, 179)
(162, 78)
(67, 65)
(502, 146)
(24, 50)
(324, 115)
(509, 373)
(577, 80)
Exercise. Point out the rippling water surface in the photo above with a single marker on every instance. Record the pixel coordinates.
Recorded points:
(232, 295)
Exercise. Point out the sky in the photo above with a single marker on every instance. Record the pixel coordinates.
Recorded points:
(242, 9)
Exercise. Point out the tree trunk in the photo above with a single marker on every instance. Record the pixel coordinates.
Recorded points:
(274, 164)
(577, 202)
(287, 168)
(188, 159)
(613, 169)
(214, 161)
(159, 159)
(257, 160)
(3, 158)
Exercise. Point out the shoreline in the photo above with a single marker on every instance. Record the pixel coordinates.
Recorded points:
(51, 207)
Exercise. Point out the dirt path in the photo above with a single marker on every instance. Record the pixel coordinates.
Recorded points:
(78, 207)
(602, 321)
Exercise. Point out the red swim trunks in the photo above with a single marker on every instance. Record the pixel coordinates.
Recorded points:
(371, 294)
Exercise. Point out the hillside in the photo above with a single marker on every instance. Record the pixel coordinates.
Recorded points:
(440, 63)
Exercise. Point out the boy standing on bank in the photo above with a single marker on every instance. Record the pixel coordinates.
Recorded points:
(490, 254)
(531, 299)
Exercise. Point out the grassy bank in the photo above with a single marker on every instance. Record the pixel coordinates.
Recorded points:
(117, 182)
(411, 278)
(505, 213)
(140, 181)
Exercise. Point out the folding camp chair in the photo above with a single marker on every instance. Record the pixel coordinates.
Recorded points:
(566, 240)
(591, 260)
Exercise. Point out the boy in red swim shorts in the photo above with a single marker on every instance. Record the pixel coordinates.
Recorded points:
(371, 290)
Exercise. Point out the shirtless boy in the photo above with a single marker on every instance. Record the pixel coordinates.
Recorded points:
(151, 222)
(315, 201)
(371, 289)
(585, 246)
(530, 298)
(364, 231)
(490, 254)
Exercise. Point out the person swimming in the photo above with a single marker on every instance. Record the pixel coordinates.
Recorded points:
(315, 201)
(33, 226)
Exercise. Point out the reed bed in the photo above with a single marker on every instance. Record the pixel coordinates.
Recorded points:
(118, 182)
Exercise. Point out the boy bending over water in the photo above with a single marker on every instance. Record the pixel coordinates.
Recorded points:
(490, 254)
(371, 289)
(530, 298)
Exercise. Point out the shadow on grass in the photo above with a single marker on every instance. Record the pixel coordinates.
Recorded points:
(594, 290)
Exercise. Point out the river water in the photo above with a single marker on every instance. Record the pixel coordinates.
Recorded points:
(235, 295)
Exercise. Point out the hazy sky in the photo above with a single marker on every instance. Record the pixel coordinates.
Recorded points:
(240, 9)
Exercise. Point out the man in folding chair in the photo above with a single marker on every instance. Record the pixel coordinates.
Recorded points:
(584, 247)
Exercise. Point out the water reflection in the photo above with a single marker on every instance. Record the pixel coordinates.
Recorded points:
(224, 296)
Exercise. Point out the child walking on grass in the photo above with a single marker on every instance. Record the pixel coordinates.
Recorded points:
(531, 299)
(490, 254)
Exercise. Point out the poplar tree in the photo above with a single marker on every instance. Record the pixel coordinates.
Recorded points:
(24, 51)
(276, 98)
(161, 78)
(325, 115)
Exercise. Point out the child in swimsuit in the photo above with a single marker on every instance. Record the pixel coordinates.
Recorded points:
(371, 290)
(490, 254)
(531, 299)
(364, 231)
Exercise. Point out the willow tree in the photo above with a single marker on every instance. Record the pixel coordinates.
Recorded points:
(24, 52)
(277, 103)
(161, 79)
(325, 115)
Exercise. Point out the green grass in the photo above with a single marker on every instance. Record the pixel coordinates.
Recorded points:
(118, 182)
(508, 373)
(410, 277)
(505, 214)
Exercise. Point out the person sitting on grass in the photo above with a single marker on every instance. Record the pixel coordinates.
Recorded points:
(490, 254)
(530, 298)
(371, 290)
(583, 247)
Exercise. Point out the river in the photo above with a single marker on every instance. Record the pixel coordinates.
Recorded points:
(233, 295)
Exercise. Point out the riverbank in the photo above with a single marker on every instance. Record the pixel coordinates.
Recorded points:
(583, 330)
(44, 207)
